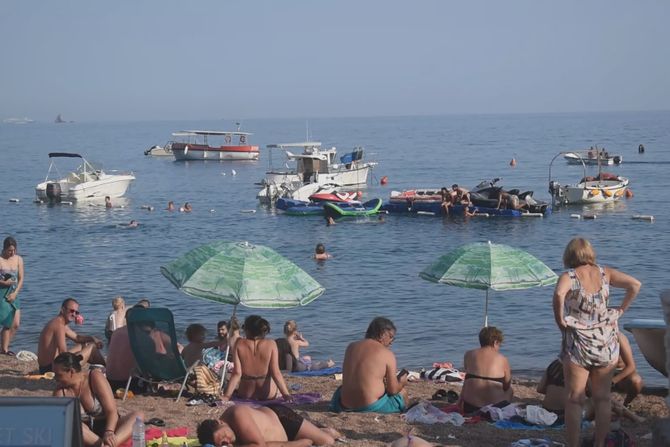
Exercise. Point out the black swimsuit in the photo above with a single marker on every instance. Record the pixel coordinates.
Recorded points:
(500, 380)
(289, 419)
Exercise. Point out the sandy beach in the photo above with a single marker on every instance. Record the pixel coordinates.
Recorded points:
(359, 429)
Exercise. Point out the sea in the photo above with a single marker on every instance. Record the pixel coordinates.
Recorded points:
(85, 251)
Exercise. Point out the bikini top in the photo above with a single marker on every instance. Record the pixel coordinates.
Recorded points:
(500, 380)
(95, 412)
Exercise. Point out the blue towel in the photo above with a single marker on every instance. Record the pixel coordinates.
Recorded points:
(318, 372)
(521, 426)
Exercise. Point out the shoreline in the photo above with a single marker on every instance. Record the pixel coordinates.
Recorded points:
(360, 429)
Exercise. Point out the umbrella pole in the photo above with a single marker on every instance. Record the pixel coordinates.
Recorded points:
(486, 310)
(225, 358)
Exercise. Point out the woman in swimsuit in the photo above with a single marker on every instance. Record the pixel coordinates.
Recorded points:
(11, 283)
(101, 423)
(256, 369)
(488, 377)
(590, 347)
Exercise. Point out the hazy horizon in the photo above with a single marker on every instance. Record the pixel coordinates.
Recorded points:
(213, 60)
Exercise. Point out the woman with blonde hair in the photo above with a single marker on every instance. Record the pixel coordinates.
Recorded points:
(295, 342)
(590, 347)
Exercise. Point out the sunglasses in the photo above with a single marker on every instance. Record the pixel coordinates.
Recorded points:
(73, 311)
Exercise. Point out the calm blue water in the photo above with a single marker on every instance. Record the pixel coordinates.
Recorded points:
(80, 251)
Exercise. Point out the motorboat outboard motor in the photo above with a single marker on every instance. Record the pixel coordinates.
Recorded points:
(53, 191)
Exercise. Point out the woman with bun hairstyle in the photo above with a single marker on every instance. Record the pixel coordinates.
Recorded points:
(256, 374)
(101, 423)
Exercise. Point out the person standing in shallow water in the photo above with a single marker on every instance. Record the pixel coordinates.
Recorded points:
(590, 348)
(11, 283)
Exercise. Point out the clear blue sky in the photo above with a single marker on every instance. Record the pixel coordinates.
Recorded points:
(209, 59)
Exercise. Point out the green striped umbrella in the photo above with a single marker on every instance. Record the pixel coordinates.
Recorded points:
(483, 265)
(242, 273)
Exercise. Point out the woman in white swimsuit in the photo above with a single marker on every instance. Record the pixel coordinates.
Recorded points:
(590, 346)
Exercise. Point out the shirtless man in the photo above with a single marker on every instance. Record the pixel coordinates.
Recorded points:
(53, 339)
(369, 382)
(460, 196)
(269, 425)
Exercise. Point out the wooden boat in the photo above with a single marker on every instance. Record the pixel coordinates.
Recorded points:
(195, 145)
(649, 335)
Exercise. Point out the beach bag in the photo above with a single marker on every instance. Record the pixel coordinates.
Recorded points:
(206, 382)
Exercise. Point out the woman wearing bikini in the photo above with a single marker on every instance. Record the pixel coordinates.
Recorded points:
(101, 423)
(11, 283)
(256, 374)
(488, 377)
(590, 347)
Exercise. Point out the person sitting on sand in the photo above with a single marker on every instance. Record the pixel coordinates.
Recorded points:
(552, 385)
(369, 371)
(295, 341)
(626, 379)
(256, 367)
(488, 377)
(192, 352)
(267, 425)
(100, 420)
(53, 339)
(116, 319)
(320, 253)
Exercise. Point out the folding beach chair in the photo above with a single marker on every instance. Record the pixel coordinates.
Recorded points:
(153, 341)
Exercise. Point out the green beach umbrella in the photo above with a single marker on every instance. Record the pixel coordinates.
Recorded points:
(483, 265)
(242, 273)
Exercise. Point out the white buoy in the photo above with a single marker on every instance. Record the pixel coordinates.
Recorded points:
(644, 217)
(480, 215)
(532, 215)
(589, 216)
(233, 172)
(248, 211)
(14, 200)
(426, 213)
(223, 173)
(576, 216)
(212, 210)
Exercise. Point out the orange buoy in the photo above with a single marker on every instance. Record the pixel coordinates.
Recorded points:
(384, 180)
(512, 162)
(629, 194)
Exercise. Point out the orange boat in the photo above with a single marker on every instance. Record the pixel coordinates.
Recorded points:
(195, 145)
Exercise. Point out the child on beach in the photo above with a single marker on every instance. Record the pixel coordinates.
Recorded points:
(117, 318)
(295, 342)
(195, 333)
(320, 253)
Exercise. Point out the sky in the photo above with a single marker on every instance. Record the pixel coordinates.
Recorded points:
(131, 60)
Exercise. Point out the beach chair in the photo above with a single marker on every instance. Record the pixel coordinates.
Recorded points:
(153, 341)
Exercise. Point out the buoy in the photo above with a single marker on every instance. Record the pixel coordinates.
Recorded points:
(234, 172)
(212, 210)
(532, 215)
(223, 173)
(576, 216)
(384, 180)
(512, 162)
(14, 200)
(629, 194)
(248, 211)
(607, 193)
(589, 216)
(644, 217)
(425, 213)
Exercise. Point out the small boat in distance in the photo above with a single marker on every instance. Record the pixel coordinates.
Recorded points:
(649, 335)
(592, 157)
(160, 151)
(24, 120)
(195, 145)
(86, 182)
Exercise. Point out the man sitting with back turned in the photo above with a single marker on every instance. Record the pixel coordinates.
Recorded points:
(53, 339)
(369, 382)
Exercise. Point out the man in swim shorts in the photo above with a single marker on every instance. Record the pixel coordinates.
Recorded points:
(53, 339)
(243, 424)
(369, 382)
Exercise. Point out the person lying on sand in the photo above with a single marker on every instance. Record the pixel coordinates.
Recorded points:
(552, 385)
(244, 425)
(369, 371)
(53, 339)
(488, 377)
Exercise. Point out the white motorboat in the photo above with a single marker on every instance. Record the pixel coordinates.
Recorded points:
(195, 145)
(603, 188)
(160, 151)
(649, 335)
(591, 157)
(313, 165)
(86, 182)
